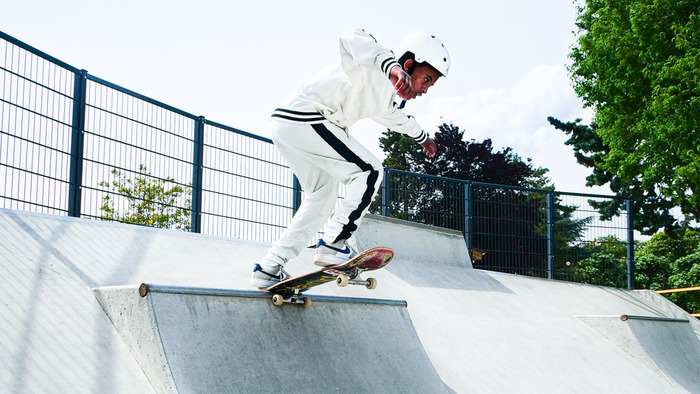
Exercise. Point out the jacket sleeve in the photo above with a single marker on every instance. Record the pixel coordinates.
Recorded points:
(364, 50)
(396, 120)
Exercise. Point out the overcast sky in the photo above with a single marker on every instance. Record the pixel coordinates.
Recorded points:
(234, 62)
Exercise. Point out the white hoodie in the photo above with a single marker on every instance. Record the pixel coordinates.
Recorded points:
(357, 88)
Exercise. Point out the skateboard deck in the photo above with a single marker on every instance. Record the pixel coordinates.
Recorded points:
(347, 273)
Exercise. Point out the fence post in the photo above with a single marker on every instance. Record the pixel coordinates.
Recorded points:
(296, 194)
(550, 234)
(197, 175)
(75, 182)
(385, 191)
(630, 245)
(468, 217)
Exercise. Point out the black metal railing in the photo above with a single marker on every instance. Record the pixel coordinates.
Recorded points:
(541, 233)
(64, 132)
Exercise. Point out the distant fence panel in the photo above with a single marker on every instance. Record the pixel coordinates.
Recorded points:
(248, 189)
(134, 136)
(540, 233)
(510, 226)
(73, 144)
(592, 257)
(36, 100)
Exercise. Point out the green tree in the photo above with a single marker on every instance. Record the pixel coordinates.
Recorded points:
(603, 262)
(149, 201)
(686, 274)
(461, 159)
(652, 210)
(672, 248)
(636, 64)
(440, 201)
(507, 221)
(652, 272)
(665, 262)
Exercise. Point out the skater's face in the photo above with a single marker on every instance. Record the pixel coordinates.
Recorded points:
(423, 77)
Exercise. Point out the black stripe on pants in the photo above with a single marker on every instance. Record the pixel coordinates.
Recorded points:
(351, 157)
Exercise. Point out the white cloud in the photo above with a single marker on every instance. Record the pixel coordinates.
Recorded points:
(518, 119)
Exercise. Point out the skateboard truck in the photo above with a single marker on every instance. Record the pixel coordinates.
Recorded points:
(295, 298)
(353, 278)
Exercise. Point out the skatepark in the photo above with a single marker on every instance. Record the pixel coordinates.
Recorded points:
(74, 321)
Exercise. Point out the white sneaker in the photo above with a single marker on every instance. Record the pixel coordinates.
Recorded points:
(266, 278)
(331, 254)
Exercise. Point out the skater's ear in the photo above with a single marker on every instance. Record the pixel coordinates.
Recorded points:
(408, 62)
(408, 65)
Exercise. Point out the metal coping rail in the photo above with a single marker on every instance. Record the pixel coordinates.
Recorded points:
(653, 318)
(145, 289)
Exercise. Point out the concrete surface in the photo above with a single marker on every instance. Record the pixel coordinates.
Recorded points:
(336, 345)
(672, 345)
(481, 331)
(428, 244)
(667, 346)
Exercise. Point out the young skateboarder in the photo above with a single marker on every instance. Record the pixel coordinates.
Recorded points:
(311, 132)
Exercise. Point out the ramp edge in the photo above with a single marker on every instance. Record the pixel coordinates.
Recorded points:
(146, 288)
(122, 305)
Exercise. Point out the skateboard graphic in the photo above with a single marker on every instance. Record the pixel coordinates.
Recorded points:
(291, 290)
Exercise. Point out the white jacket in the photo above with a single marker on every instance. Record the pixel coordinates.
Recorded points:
(357, 88)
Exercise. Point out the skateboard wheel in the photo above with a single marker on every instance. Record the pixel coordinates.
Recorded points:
(277, 300)
(306, 303)
(372, 283)
(343, 280)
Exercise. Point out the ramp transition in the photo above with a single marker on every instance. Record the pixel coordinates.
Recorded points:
(667, 346)
(210, 340)
(483, 331)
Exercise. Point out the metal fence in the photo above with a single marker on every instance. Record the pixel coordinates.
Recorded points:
(541, 233)
(74, 144)
(67, 137)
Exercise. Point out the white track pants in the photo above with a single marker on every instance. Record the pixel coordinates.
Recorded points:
(323, 156)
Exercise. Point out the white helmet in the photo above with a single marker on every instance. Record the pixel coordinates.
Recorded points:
(427, 48)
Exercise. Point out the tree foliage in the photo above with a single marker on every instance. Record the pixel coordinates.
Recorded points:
(636, 63)
(461, 159)
(507, 220)
(602, 262)
(652, 210)
(149, 201)
(665, 262)
(662, 262)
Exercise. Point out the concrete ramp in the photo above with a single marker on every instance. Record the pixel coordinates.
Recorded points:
(428, 244)
(483, 332)
(667, 346)
(672, 345)
(210, 340)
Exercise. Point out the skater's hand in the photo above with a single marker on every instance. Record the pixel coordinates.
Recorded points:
(402, 83)
(429, 147)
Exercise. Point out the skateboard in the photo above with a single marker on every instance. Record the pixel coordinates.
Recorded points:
(291, 290)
